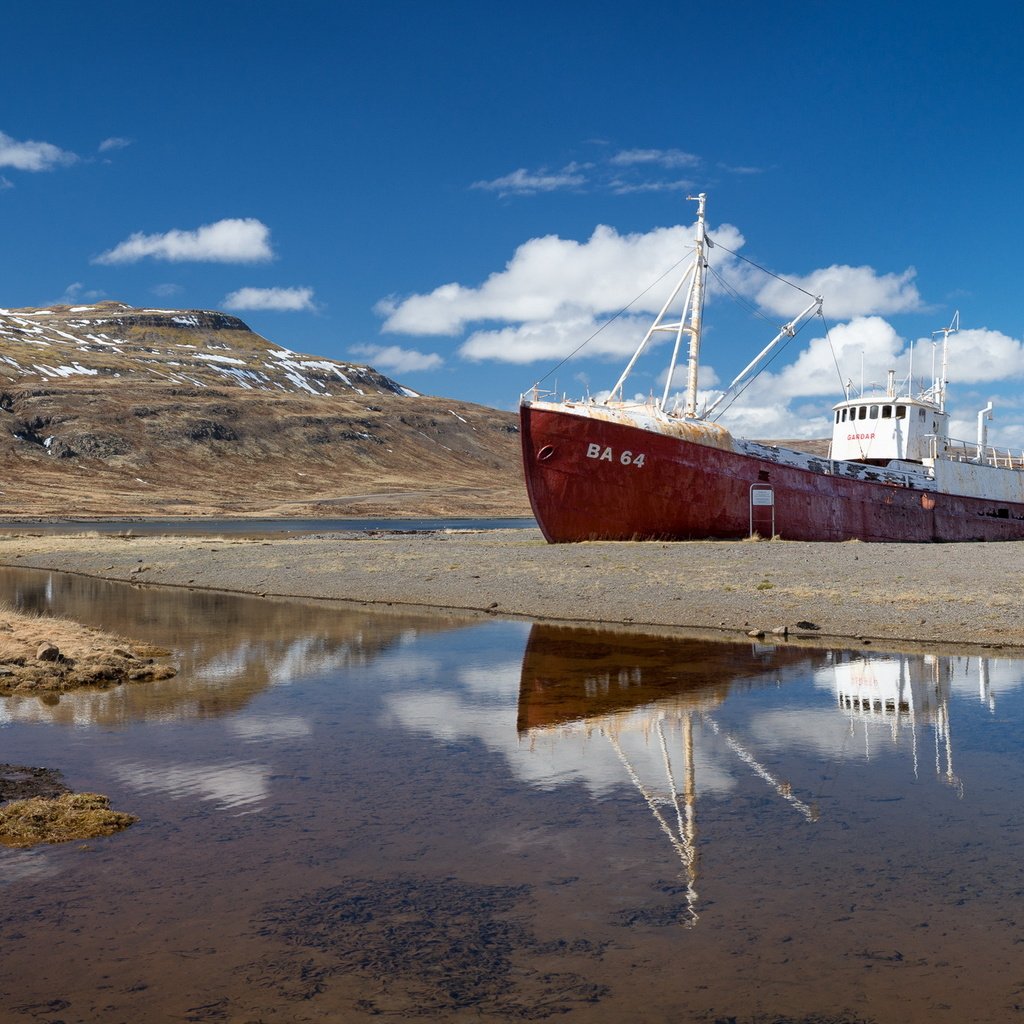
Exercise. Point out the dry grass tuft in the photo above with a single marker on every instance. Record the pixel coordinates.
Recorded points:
(60, 819)
(87, 657)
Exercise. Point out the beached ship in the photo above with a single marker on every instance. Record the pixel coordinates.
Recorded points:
(629, 470)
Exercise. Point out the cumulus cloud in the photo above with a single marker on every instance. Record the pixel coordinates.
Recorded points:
(797, 400)
(237, 240)
(555, 293)
(976, 356)
(556, 279)
(32, 156)
(290, 300)
(524, 182)
(848, 291)
(868, 346)
(398, 360)
(554, 339)
(115, 142)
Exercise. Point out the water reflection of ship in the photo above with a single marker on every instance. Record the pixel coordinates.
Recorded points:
(659, 692)
(606, 685)
(896, 694)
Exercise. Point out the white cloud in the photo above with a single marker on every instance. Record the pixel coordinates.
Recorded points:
(237, 240)
(797, 401)
(398, 360)
(659, 157)
(554, 339)
(289, 300)
(32, 156)
(848, 291)
(114, 142)
(76, 293)
(866, 347)
(976, 356)
(166, 290)
(624, 188)
(556, 279)
(524, 182)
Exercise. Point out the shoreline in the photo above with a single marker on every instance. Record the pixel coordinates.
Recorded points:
(911, 596)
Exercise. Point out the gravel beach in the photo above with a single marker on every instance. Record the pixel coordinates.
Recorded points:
(897, 594)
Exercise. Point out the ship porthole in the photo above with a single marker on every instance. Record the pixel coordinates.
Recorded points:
(545, 453)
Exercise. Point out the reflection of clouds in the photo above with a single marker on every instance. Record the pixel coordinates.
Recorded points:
(491, 680)
(405, 666)
(23, 865)
(484, 709)
(810, 730)
(231, 786)
(257, 728)
(77, 707)
(985, 677)
(283, 663)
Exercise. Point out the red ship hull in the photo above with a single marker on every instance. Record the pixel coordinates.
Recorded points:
(586, 483)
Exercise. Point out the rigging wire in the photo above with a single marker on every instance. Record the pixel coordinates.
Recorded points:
(611, 320)
(737, 298)
(835, 358)
(764, 270)
(761, 369)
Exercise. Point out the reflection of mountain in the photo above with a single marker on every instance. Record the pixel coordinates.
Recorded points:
(228, 647)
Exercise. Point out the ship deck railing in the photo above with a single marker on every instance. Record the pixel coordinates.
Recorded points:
(979, 455)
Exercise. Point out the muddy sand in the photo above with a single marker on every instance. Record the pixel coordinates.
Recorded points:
(949, 595)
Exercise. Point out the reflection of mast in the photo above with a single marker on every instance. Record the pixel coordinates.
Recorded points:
(683, 839)
(784, 789)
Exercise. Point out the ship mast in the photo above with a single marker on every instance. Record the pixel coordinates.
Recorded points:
(690, 409)
(940, 385)
(686, 324)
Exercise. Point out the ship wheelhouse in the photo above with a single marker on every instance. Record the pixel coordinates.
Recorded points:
(879, 429)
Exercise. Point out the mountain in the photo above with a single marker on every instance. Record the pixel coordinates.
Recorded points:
(112, 410)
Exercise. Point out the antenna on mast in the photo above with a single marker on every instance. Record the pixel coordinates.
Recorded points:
(939, 386)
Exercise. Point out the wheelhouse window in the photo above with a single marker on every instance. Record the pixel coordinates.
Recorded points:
(862, 412)
(901, 412)
(873, 413)
(886, 412)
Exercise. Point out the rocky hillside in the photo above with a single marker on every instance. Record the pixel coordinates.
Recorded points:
(108, 409)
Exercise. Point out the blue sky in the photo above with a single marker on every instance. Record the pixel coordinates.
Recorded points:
(459, 193)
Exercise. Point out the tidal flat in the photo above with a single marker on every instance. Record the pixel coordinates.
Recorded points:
(950, 594)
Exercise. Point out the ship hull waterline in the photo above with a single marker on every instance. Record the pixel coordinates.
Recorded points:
(685, 490)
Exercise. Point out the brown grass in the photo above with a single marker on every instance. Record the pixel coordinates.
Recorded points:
(60, 819)
(88, 657)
